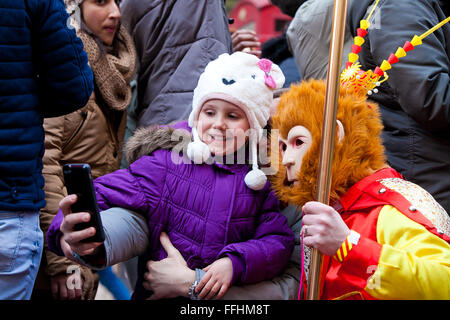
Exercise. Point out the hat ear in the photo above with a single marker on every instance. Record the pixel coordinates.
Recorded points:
(277, 75)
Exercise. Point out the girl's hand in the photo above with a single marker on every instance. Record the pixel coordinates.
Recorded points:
(71, 239)
(323, 228)
(217, 279)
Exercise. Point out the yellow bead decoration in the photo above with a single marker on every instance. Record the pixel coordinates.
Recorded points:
(355, 79)
(385, 65)
(352, 57)
(400, 53)
(364, 24)
(416, 41)
(359, 41)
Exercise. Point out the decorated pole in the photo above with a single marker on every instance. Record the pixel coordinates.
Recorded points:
(329, 132)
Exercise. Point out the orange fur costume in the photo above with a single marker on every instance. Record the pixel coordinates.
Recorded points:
(359, 154)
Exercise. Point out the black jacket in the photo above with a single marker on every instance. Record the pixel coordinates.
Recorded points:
(415, 101)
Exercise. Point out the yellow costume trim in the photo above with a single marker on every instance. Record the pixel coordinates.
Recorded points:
(346, 246)
(414, 263)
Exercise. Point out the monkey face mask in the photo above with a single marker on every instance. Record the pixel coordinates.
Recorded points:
(297, 125)
(293, 149)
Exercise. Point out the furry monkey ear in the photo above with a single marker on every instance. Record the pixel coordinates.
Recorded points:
(340, 131)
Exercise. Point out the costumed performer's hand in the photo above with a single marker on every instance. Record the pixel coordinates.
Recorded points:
(323, 228)
(170, 277)
(217, 279)
(61, 290)
(246, 41)
(71, 239)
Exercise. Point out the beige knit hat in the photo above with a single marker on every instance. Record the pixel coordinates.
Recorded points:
(247, 82)
(73, 9)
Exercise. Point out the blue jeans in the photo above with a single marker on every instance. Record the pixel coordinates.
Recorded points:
(21, 244)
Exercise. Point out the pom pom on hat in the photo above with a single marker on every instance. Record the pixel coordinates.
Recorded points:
(255, 179)
(197, 151)
(247, 82)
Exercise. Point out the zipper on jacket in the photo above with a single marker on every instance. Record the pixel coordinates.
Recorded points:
(84, 115)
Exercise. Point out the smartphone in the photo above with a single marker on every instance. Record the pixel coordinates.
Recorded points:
(78, 180)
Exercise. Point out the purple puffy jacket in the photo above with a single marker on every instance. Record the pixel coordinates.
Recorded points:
(207, 211)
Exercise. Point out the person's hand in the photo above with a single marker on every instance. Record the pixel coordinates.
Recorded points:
(61, 290)
(323, 228)
(170, 277)
(246, 41)
(71, 239)
(217, 279)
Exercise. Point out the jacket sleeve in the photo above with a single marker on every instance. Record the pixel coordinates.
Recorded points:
(406, 262)
(268, 252)
(64, 77)
(284, 286)
(54, 192)
(126, 237)
(54, 188)
(137, 189)
(421, 80)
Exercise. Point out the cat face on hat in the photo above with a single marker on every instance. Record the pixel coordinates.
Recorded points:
(243, 80)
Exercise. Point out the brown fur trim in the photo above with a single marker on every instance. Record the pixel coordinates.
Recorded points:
(359, 154)
(146, 140)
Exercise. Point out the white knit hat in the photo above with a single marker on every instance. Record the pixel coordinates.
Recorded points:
(247, 82)
(73, 9)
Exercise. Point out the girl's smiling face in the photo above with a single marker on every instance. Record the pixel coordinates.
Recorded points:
(222, 126)
(102, 18)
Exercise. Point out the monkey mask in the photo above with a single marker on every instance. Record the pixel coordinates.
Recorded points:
(297, 124)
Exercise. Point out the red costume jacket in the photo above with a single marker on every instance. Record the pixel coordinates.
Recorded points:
(403, 251)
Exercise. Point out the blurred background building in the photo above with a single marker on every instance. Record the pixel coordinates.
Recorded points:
(260, 16)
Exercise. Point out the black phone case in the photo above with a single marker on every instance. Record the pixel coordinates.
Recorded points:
(78, 180)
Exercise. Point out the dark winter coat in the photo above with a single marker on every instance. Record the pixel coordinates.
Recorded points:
(415, 101)
(175, 40)
(43, 73)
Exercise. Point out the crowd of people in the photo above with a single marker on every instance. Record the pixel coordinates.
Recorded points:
(204, 149)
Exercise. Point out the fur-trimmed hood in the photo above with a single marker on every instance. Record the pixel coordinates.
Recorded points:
(146, 140)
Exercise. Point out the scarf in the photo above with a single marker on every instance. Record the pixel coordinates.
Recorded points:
(112, 74)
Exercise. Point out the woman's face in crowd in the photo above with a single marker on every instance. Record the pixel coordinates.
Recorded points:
(102, 18)
(222, 126)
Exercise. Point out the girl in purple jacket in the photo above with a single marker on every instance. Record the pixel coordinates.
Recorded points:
(219, 213)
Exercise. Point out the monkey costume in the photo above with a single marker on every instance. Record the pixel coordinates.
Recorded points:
(398, 247)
